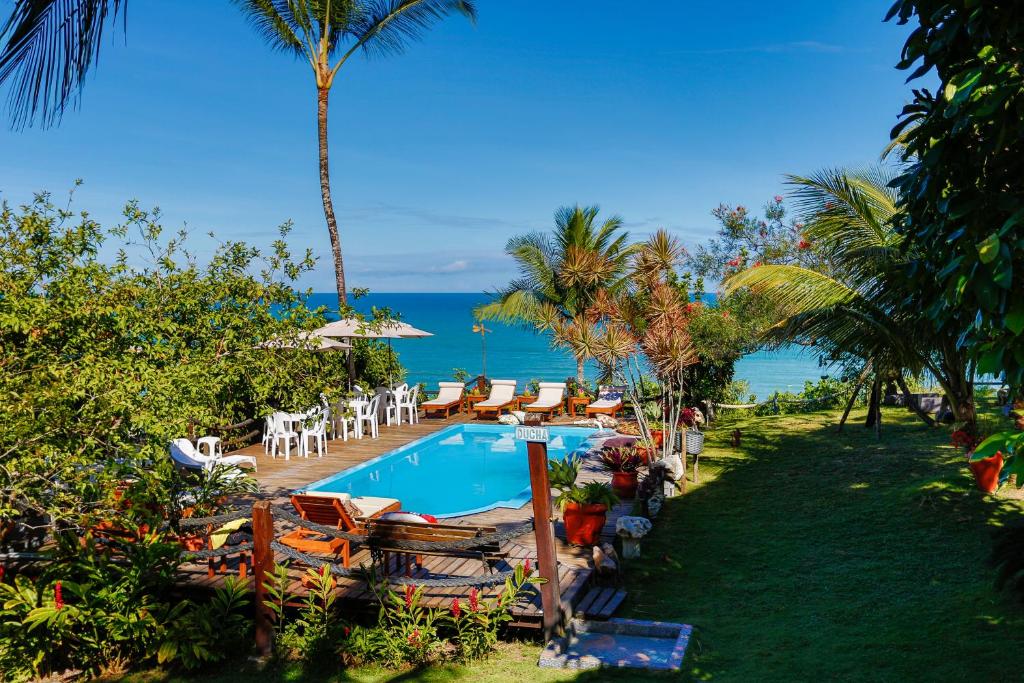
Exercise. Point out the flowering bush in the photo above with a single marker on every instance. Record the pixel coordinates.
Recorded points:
(964, 439)
(693, 418)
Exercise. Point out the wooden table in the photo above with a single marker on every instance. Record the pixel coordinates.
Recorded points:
(574, 402)
(470, 401)
(524, 400)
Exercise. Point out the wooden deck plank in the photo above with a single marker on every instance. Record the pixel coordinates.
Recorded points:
(613, 604)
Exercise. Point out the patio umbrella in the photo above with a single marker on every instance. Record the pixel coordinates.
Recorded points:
(349, 328)
(318, 343)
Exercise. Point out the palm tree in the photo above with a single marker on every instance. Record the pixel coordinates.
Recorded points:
(48, 47)
(561, 275)
(325, 34)
(855, 301)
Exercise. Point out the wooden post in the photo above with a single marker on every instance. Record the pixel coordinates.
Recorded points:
(544, 533)
(263, 564)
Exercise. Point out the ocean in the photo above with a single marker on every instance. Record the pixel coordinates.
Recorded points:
(517, 353)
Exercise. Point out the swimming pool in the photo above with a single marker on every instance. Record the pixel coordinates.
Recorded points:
(459, 470)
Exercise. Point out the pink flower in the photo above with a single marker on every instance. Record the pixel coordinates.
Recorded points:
(474, 605)
(778, 199)
(456, 610)
(410, 592)
(526, 565)
(799, 225)
(58, 596)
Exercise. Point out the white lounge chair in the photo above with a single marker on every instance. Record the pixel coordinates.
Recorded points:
(609, 401)
(503, 395)
(449, 397)
(550, 398)
(186, 455)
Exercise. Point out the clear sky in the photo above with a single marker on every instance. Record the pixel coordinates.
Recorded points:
(476, 133)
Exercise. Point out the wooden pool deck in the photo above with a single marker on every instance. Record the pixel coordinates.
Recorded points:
(279, 477)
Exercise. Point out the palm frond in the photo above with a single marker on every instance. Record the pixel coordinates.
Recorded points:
(48, 48)
(280, 23)
(387, 26)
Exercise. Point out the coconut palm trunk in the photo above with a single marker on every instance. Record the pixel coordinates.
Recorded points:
(580, 362)
(322, 96)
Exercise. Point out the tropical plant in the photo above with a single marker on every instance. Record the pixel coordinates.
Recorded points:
(562, 473)
(848, 297)
(326, 34)
(594, 493)
(560, 276)
(620, 459)
(963, 209)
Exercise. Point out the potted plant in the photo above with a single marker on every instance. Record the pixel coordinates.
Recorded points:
(657, 428)
(624, 464)
(584, 511)
(562, 473)
(646, 450)
(985, 466)
(692, 419)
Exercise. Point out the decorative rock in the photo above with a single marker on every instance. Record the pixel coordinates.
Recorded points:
(631, 530)
(606, 560)
(509, 419)
(654, 504)
(607, 421)
(674, 465)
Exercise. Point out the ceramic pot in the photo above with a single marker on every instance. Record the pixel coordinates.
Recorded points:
(624, 484)
(583, 523)
(986, 472)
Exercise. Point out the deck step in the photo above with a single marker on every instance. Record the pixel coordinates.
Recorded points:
(600, 603)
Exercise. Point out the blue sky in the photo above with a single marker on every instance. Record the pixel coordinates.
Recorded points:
(475, 134)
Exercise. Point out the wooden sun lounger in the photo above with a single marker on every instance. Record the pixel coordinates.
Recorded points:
(449, 397)
(381, 532)
(328, 511)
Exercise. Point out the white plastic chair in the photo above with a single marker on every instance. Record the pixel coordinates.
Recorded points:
(394, 398)
(367, 415)
(410, 405)
(338, 421)
(282, 430)
(268, 432)
(316, 429)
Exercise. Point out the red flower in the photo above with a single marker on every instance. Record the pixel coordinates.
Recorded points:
(804, 244)
(689, 309)
(735, 262)
(1, 573)
(725, 314)
(456, 610)
(345, 631)
(410, 592)
(799, 225)
(778, 199)
(473, 604)
(756, 264)
(526, 565)
(414, 637)
(58, 596)
(962, 439)
(829, 205)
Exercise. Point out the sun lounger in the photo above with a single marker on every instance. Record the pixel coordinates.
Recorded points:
(449, 397)
(609, 402)
(382, 533)
(185, 455)
(550, 398)
(339, 510)
(503, 396)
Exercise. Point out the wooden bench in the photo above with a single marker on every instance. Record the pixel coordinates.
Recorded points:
(381, 533)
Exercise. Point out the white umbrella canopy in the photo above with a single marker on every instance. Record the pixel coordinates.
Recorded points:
(351, 327)
(314, 341)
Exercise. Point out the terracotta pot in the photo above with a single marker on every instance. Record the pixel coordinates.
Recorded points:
(986, 472)
(583, 523)
(624, 484)
(658, 436)
(646, 455)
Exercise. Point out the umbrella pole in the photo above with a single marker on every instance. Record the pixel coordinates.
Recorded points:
(351, 366)
(391, 358)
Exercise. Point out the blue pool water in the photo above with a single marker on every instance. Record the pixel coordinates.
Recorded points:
(459, 470)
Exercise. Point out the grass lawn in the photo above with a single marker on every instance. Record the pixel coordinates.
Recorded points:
(806, 555)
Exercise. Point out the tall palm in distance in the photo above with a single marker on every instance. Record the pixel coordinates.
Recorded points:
(326, 34)
(561, 276)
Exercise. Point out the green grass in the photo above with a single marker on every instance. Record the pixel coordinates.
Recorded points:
(806, 555)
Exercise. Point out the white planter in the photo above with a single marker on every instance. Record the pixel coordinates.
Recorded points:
(694, 442)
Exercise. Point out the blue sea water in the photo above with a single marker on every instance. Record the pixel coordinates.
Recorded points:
(460, 470)
(521, 354)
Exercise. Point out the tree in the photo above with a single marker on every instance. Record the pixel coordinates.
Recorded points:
(325, 34)
(963, 211)
(560, 276)
(849, 296)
